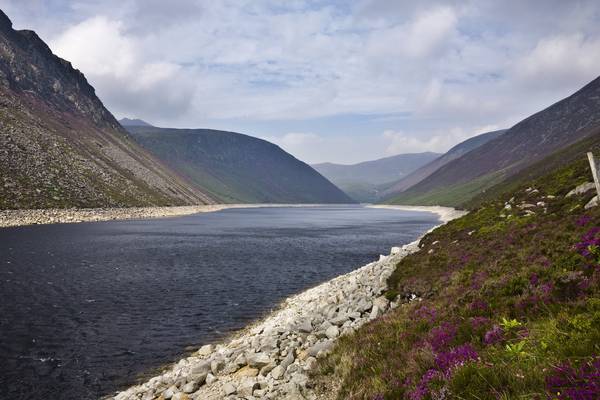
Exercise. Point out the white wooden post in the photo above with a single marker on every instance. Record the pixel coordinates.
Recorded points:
(594, 172)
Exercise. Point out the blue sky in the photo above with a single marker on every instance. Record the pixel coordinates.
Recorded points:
(341, 81)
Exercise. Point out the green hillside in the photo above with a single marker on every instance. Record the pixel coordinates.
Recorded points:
(236, 168)
(509, 301)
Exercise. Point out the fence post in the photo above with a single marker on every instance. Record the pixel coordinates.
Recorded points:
(594, 172)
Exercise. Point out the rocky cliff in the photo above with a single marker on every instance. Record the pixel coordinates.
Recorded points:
(60, 147)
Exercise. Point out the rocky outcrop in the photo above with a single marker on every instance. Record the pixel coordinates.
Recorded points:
(60, 147)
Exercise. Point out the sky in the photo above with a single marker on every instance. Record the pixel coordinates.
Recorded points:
(336, 81)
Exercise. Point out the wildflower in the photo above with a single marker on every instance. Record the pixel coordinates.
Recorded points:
(568, 382)
(494, 335)
(457, 356)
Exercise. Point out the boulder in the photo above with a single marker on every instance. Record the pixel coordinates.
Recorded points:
(229, 389)
(592, 203)
(258, 360)
(332, 332)
(581, 189)
(305, 326)
(246, 371)
(205, 350)
(278, 372)
(247, 387)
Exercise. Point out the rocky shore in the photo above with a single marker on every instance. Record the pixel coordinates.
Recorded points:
(273, 358)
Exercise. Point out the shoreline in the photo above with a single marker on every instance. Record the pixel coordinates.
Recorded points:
(446, 214)
(273, 357)
(14, 218)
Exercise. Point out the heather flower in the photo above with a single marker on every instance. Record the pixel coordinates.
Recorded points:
(534, 279)
(571, 383)
(457, 356)
(583, 220)
(378, 397)
(494, 335)
(426, 313)
(422, 389)
(479, 322)
(479, 306)
(441, 337)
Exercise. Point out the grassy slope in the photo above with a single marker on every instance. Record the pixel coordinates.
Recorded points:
(510, 309)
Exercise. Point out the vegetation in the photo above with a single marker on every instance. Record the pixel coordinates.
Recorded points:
(508, 305)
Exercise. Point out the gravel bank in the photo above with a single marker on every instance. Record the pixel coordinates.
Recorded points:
(272, 359)
(56, 216)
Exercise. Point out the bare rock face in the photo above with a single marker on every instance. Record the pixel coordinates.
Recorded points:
(60, 147)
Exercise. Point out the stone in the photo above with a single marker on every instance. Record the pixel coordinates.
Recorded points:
(267, 368)
(247, 387)
(592, 203)
(246, 371)
(288, 360)
(200, 368)
(278, 372)
(323, 346)
(205, 350)
(210, 378)
(258, 360)
(332, 332)
(581, 189)
(229, 389)
(180, 396)
(381, 303)
(310, 363)
(305, 326)
(339, 320)
(189, 387)
(217, 366)
(168, 394)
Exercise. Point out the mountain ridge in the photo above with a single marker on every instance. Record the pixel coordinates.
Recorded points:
(557, 126)
(235, 167)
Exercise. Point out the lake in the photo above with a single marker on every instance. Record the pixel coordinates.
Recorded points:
(89, 308)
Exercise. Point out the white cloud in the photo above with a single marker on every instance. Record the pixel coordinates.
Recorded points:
(446, 66)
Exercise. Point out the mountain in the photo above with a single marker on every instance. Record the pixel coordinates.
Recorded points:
(59, 145)
(238, 168)
(428, 169)
(362, 181)
(133, 122)
(563, 123)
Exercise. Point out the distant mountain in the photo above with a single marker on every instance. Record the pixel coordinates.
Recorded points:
(363, 181)
(60, 147)
(558, 126)
(133, 122)
(428, 169)
(238, 168)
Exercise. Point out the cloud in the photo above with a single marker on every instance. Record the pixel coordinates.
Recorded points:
(429, 72)
(116, 65)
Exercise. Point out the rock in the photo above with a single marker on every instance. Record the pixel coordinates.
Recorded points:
(189, 387)
(205, 350)
(210, 378)
(217, 366)
(288, 360)
(310, 363)
(374, 312)
(278, 372)
(246, 371)
(258, 360)
(200, 368)
(180, 396)
(339, 320)
(267, 368)
(229, 389)
(247, 387)
(168, 394)
(581, 189)
(332, 332)
(592, 203)
(381, 303)
(323, 346)
(305, 326)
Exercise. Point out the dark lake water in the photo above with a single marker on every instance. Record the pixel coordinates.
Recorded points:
(86, 309)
